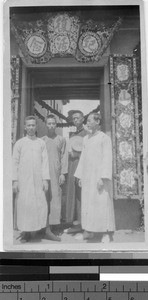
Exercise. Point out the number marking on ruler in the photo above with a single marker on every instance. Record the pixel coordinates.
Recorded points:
(68, 290)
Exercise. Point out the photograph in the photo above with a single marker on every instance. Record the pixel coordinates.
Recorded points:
(75, 126)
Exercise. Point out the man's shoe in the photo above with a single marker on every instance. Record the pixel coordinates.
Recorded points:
(50, 236)
(74, 229)
(84, 236)
(25, 237)
(105, 239)
(88, 235)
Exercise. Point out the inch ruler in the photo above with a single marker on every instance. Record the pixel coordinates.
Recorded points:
(73, 290)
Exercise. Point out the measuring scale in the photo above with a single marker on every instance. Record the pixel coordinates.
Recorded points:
(73, 290)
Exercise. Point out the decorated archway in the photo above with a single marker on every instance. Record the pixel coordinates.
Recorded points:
(65, 35)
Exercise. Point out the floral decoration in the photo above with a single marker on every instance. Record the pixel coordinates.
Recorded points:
(63, 34)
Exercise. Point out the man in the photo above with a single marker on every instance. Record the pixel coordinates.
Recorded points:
(58, 165)
(30, 182)
(95, 173)
(73, 204)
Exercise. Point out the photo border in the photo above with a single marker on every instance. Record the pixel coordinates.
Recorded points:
(7, 174)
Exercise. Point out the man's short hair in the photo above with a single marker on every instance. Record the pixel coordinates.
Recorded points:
(97, 116)
(51, 116)
(28, 118)
(77, 112)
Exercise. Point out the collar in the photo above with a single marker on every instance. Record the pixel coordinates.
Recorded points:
(79, 130)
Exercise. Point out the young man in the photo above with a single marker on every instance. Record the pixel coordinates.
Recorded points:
(73, 204)
(95, 173)
(58, 165)
(30, 182)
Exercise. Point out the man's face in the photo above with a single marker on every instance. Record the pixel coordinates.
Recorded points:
(77, 119)
(51, 124)
(91, 123)
(30, 127)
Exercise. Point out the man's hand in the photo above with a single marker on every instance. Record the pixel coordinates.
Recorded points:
(45, 186)
(80, 183)
(15, 187)
(61, 179)
(74, 154)
(100, 185)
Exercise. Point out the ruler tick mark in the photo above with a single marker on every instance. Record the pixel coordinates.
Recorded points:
(137, 286)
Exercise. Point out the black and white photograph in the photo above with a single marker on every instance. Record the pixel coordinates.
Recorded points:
(75, 120)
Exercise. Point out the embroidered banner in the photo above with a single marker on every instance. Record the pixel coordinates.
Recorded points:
(62, 34)
(15, 95)
(125, 128)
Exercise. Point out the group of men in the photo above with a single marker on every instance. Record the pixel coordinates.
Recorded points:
(42, 165)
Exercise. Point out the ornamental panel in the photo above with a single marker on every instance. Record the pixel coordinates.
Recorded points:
(62, 35)
(125, 128)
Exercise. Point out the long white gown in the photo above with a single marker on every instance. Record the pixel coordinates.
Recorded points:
(30, 168)
(58, 164)
(97, 212)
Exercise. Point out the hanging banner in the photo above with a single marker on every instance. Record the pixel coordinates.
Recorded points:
(15, 95)
(62, 34)
(125, 128)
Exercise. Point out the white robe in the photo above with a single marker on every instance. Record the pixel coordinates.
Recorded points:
(97, 212)
(30, 168)
(58, 164)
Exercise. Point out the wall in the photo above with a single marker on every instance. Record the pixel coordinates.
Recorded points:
(124, 42)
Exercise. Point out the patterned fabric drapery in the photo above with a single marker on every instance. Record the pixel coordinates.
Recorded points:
(15, 94)
(63, 34)
(125, 128)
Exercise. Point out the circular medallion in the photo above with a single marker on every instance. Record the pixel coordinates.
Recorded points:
(89, 43)
(122, 72)
(125, 120)
(36, 45)
(124, 97)
(62, 23)
(62, 43)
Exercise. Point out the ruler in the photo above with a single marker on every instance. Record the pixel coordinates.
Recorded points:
(73, 290)
(72, 280)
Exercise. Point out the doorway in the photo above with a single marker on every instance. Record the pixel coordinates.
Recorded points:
(62, 83)
(69, 83)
